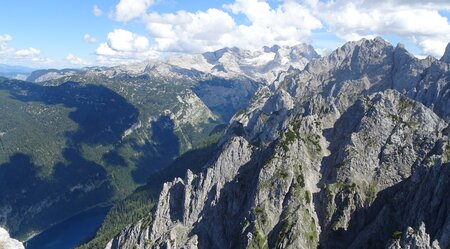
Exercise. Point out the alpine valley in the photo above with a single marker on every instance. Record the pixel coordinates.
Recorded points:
(274, 148)
(75, 139)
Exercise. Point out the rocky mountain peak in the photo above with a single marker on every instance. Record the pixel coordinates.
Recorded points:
(325, 159)
(355, 55)
(305, 50)
(262, 65)
(446, 56)
(216, 55)
(273, 49)
(401, 55)
(375, 44)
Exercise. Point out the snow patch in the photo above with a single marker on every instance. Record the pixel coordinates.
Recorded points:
(259, 60)
(6, 242)
(180, 99)
(132, 129)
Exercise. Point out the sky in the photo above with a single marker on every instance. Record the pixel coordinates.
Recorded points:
(78, 33)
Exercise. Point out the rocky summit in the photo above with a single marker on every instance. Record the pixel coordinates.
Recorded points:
(351, 151)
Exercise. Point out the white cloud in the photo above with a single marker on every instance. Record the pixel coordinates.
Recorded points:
(4, 49)
(129, 9)
(14, 56)
(5, 38)
(124, 46)
(417, 21)
(434, 47)
(42, 60)
(191, 32)
(29, 52)
(97, 11)
(126, 41)
(72, 59)
(288, 24)
(89, 39)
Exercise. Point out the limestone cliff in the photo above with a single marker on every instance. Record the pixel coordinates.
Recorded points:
(351, 152)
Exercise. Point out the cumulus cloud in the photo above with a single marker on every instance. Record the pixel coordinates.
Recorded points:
(14, 56)
(429, 4)
(418, 21)
(4, 49)
(89, 39)
(29, 52)
(5, 38)
(124, 46)
(129, 9)
(96, 11)
(288, 22)
(72, 59)
(42, 60)
(433, 47)
(126, 41)
(185, 31)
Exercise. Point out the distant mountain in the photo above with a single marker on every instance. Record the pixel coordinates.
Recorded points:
(352, 151)
(72, 139)
(18, 69)
(15, 72)
(51, 74)
(262, 65)
(259, 65)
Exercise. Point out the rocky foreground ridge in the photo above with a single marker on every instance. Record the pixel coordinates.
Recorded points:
(350, 152)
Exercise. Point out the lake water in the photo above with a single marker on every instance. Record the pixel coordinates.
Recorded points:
(70, 233)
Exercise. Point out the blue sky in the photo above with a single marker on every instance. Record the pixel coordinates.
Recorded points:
(50, 33)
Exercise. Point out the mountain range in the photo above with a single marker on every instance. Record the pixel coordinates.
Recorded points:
(16, 72)
(350, 152)
(274, 148)
(79, 138)
(262, 65)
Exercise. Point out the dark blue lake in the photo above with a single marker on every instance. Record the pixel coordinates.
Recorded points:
(71, 232)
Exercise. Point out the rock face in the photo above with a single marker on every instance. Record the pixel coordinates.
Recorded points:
(446, 56)
(351, 152)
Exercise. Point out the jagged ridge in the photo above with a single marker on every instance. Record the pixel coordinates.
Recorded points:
(350, 152)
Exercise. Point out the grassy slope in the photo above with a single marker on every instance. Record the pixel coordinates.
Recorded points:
(139, 204)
